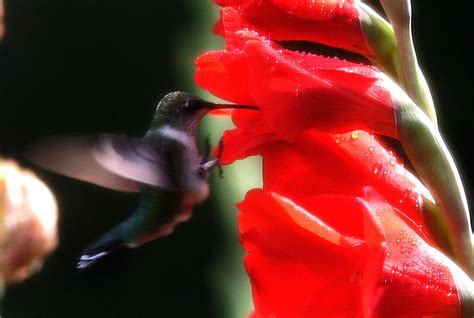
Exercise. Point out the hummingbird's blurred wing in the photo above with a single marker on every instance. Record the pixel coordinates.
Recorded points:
(112, 161)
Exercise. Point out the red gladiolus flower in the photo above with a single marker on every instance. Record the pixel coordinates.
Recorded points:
(296, 91)
(302, 267)
(338, 229)
(324, 164)
(335, 23)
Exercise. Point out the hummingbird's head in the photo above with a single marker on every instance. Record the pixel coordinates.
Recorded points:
(184, 111)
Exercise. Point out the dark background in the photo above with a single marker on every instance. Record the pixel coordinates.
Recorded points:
(101, 66)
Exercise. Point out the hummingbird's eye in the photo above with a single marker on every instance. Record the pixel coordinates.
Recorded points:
(191, 104)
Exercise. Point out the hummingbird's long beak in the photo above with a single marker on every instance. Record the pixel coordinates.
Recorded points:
(231, 106)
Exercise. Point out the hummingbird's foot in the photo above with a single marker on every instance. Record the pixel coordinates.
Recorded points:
(207, 166)
(207, 151)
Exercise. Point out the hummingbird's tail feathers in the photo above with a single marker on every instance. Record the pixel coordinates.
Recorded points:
(98, 250)
(87, 260)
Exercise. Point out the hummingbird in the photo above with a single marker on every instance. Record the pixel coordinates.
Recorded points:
(165, 166)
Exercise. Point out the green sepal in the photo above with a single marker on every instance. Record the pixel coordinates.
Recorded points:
(394, 53)
(436, 167)
(380, 38)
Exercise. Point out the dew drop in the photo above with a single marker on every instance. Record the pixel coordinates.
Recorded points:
(403, 249)
(355, 134)
(450, 291)
(378, 168)
(298, 90)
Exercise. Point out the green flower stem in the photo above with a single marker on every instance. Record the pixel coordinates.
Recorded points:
(435, 165)
(395, 53)
(400, 16)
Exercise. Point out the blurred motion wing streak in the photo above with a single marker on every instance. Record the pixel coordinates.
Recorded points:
(112, 161)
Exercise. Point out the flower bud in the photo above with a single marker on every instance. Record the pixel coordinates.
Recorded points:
(28, 220)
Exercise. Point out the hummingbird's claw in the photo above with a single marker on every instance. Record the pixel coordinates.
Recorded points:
(207, 151)
(221, 148)
(219, 154)
(207, 166)
(221, 171)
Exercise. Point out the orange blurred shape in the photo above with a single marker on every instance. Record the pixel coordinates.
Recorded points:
(28, 222)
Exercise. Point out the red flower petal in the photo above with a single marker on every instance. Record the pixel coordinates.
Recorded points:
(225, 75)
(287, 279)
(404, 277)
(322, 10)
(338, 164)
(325, 165)
(333, 23)
(295, 91)
(302, 267)
(240, 144)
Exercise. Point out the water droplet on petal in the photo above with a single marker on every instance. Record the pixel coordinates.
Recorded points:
(450, 291)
